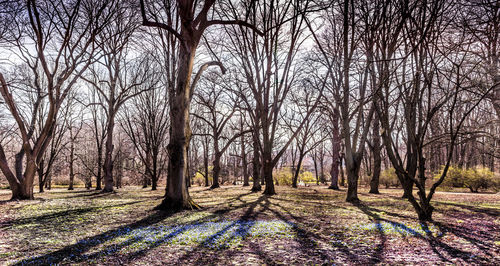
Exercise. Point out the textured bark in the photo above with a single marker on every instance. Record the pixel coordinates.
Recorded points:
(216, 170)
(71, 162)
(244, 162)
(256, 186)
(296, 169)
(353, 165)
(267, 168)
(336, 159)
(377, 160)
(177, 195)
(108, 158)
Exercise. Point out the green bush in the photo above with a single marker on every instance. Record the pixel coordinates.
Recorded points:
(283, 176)
(307, 177)
(388, 178)
(455, 177)
(199, 179)
(472, 178)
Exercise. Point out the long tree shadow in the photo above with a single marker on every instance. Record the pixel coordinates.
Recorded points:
(244, 224)
(435, 243)
(379, 249)
(487, 211)
(78, 252)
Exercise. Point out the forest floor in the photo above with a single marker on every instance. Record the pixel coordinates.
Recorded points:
(308, 225)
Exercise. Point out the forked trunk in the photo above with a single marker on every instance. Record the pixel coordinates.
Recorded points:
(24, 190)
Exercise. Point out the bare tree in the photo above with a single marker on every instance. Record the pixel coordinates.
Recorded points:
(63, 49)
(186, 21)
(147, 127)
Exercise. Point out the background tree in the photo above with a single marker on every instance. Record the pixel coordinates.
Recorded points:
(63, 49)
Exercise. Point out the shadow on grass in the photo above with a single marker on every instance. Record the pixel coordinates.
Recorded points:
(66, 215)
(75, 252)
(438, 246)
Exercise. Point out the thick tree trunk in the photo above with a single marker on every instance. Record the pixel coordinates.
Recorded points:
(24, 189)
(341, 169)
(377, 160)
(352, 168)
(267, 169)
(154, 181)
(177, 195)
(108, 159)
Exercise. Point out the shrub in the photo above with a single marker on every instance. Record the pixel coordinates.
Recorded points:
(283, 176)
(199, 179)
(454, 177)
(389, 178)
(472, 178)
(307, 177)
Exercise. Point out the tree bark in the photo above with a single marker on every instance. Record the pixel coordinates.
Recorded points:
(353, 165)
(377, 160)
(216, 170)
(246, 178)
(297, 170)
(71, 162)
(108, 159)
(256, 163)
(267, 169)
(177, 195)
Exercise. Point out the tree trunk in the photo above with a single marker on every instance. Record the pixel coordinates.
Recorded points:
(108, 159)
(41, 182)
(177, 195)
(256, 164)
(98, 185)
(154, 180)
(377, 160)
(24, 189)
(71, 164)
(315, 163)
(352, 168)
(322, 167)
(246, 178)
(216, 171)
(297, 171)
(267, 169)
(341, 169)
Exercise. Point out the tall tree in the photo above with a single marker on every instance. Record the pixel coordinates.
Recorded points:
(186, 21)
(63, 35)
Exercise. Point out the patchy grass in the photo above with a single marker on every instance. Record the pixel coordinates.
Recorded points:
(310, 225)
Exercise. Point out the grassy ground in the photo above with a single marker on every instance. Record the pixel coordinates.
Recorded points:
(310, 225)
